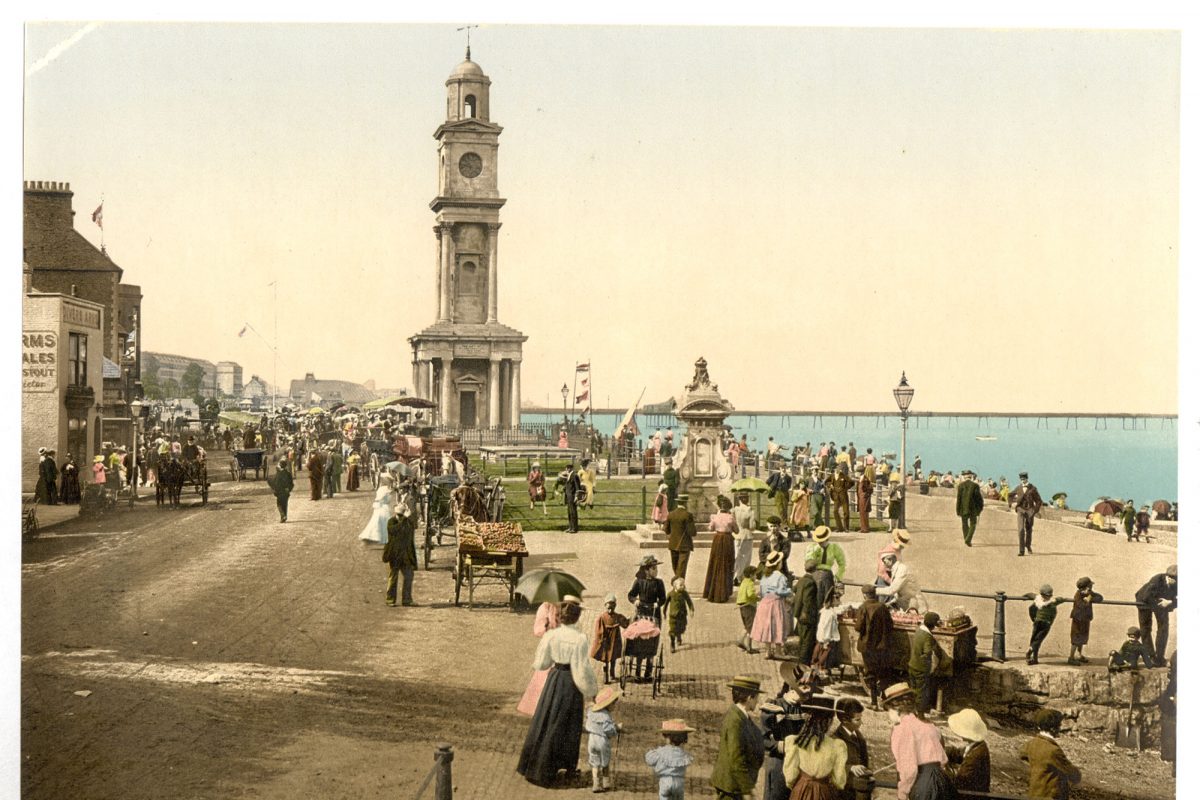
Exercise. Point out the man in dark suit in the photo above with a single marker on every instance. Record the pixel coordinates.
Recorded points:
(568, 482)
(806, 610)
(400, 552)
(875, 628)
(839, 494)
(681, 531)
(1157, 600)
(740, 749)
(849, 730)
(969, 505)
(670, 477)
(1027, 503)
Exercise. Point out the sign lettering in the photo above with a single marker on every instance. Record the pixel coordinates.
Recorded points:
(39, 361)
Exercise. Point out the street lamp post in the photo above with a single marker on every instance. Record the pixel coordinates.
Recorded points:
(904, 395)
(135, 409)
(566, 390)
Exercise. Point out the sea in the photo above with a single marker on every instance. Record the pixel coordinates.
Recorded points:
(1086, 457)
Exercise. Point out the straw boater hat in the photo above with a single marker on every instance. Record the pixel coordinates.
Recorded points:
(901, 537)
(896, 691)
(746, 683)
(775, 559)
(821, 533)
(676, 726)
(41, 451)
(606, 697)
(572, 599)
(968, 724)
(98, 460)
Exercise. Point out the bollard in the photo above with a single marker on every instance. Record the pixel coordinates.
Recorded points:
(444, 788)
(998, 628)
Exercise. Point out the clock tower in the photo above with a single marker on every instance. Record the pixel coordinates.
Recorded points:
(466, 361)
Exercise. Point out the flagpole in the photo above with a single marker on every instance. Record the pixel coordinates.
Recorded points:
(591, 388)
(574, 390)
(275, 349)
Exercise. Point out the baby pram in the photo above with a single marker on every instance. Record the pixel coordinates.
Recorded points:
(643, 640)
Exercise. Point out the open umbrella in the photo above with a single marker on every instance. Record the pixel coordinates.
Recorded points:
(413, 402)
(749, 484)
(316, 410)
(548, 586)
(1107, 507)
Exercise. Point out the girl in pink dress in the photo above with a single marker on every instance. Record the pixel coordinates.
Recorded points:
(547, 618)
(659, 512)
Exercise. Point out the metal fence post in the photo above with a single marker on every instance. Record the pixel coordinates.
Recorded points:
(644, 517)
(444, 788)
(998, 628)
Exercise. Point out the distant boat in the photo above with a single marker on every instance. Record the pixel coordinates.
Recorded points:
(985, 438)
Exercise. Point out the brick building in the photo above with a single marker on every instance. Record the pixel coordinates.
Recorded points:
(68, 279)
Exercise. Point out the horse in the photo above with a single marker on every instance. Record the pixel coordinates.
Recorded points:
(171, 476)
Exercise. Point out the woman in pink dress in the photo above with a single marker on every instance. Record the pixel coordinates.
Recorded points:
(547, 618)
(562, 438)
(659, 512)
(718, 582)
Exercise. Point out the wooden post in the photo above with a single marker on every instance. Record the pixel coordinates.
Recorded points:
(444, 788)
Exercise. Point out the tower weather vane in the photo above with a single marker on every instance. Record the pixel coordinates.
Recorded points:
(467, 28)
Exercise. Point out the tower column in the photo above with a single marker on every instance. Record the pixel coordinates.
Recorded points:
(444, 400)
(494, 392)
(493, 289)
(427, 379)
(515, 389)
(437, 233)
(445, 248)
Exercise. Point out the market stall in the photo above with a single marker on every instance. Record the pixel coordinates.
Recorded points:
(488, 553)
(956, 636)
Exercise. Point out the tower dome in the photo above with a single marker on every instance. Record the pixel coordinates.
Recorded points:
(467, 92)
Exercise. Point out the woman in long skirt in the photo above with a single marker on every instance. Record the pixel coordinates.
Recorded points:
(546, 619)
(552, 743)
(70, 481)
(799, 515)
(771, 618)
(917, 748)
(381, 511)
(718, 582)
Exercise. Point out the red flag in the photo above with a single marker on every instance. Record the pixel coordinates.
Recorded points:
(98, 215)
(583, 367)
(582, 397)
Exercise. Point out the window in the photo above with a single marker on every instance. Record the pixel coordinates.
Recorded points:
(77, 359)
(469, 104)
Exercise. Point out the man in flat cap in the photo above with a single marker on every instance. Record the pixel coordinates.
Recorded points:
(969, 505)
(1156, 600)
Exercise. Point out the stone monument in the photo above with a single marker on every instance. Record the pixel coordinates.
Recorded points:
(704, 471)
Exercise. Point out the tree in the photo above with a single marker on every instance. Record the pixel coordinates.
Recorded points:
(193, 376)
(150, 384)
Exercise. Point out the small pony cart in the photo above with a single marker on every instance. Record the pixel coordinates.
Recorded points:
(246, 460)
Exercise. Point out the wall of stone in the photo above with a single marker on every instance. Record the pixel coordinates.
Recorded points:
(1093, 700)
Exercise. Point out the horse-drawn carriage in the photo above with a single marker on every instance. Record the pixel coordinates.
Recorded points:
(174, 473)
(244, 461)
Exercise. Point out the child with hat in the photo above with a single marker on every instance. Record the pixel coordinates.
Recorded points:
(1042, 613)
(971, 765)
(1131, 651)
(776, 541)
(1141, 524)
(600, 729)
(1081, 619)
(606, 641)
(670, 761)
(747, 603)
(1051, 773)
(679, 605)
(770, 619)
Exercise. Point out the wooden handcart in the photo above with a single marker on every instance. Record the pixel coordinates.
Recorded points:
(488, 553)
(959, 642)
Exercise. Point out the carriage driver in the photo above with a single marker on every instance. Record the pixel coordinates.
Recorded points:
(191, 451)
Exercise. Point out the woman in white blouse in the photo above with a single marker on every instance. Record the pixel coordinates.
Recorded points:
(552, 743)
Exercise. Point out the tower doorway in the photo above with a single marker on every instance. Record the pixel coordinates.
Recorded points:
(466, 410)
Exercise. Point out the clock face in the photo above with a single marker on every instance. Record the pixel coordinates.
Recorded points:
(470, 165)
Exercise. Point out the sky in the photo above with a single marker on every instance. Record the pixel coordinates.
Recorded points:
(994, 212)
